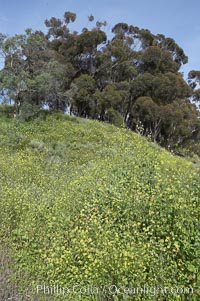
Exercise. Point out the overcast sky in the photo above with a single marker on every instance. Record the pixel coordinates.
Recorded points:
(178, 19)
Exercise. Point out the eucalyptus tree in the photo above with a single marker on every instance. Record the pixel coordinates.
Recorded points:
(13, 75)
(80, 95)
(133, 77)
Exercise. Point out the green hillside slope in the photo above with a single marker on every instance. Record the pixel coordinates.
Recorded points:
(98, 210)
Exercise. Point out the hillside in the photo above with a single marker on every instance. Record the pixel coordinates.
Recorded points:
(86, 204)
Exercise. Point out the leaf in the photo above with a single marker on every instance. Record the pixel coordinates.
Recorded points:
(191, 268)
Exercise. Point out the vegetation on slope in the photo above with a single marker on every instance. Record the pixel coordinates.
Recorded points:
(85, 203)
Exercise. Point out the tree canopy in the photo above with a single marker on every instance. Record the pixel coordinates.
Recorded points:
(132, 78)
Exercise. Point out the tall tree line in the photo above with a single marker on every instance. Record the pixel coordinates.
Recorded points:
(132, 78)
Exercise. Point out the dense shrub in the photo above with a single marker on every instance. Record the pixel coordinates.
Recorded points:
(6, 110)
(114, 117)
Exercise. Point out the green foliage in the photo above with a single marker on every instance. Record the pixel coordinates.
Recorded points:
(86, 203)
(83, 202)
(114, 117)
(80, 95)
(6, 111)
(28, 111)
(89, 74)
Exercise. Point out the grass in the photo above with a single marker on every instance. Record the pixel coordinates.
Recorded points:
(86, 203)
